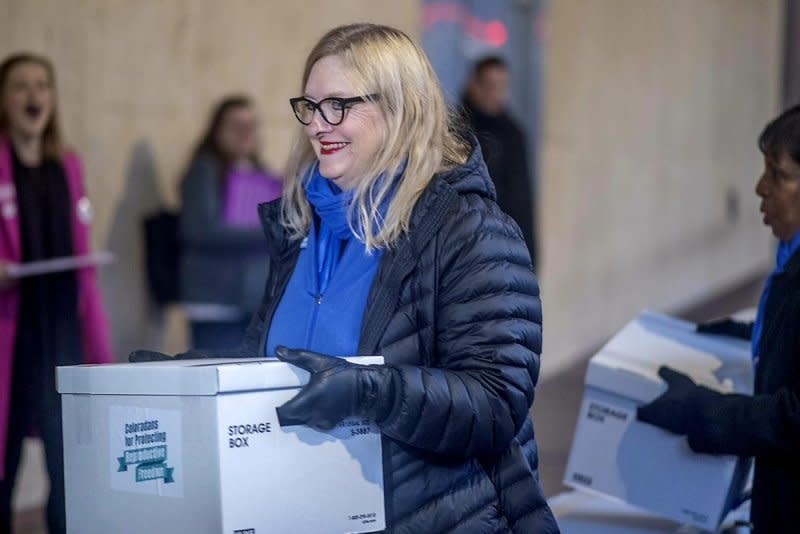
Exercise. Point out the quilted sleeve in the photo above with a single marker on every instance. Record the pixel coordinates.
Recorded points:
(474, 400)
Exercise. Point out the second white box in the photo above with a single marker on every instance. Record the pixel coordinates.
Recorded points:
(616, 455)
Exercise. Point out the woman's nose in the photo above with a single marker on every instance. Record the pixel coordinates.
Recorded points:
(34, 94)
(761, 186)
(318, 124)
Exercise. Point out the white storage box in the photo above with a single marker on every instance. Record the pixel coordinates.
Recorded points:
(614, 454)
(194, 446)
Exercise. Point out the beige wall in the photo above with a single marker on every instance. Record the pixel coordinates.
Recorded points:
(150, 70)
(652, 110)
(137, 79)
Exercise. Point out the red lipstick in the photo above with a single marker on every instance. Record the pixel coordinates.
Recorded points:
(327, 148)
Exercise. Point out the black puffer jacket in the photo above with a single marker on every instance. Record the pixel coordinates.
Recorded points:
(455, 309)
(767, 424)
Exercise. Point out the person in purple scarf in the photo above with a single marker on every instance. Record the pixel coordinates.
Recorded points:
(766, 425)
(223, 257)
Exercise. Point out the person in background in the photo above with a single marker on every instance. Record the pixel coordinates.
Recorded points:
(388, 241)
(223, 253)
(50, 319)
(503, 143)
(767, 424)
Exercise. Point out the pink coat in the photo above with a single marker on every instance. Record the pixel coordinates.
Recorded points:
(94, 323)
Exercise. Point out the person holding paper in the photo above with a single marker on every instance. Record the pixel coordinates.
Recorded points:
(767, 424)
(47, 319)
(388, 241)
(223, 259)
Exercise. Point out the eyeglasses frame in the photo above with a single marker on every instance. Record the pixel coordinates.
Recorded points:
(347, 103)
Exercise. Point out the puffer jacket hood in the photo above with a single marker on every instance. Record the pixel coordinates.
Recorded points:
(472, 177)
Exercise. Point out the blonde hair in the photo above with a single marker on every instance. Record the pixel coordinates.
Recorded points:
(420, 131)
(52, 145)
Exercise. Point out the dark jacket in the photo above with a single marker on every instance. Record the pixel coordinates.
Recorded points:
(766, 425)
(455, 309)
(506, 152)
(220, 264)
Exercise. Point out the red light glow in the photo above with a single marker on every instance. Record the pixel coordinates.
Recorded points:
(493, 32)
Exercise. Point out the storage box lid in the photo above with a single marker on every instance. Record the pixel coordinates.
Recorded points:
(186, 377)
(628, 364)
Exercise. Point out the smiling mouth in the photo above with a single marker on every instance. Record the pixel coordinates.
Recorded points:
(326, 149)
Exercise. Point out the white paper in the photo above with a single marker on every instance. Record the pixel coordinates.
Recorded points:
(65, 263)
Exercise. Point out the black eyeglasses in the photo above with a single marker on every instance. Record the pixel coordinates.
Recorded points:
(332, 109)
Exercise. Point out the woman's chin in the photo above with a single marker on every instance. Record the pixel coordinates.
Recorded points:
(781, 236)
(29, 130)
(342, 181)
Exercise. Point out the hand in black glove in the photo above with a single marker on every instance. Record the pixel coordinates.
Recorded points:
(336, 389)
(674, 408)
(139, 356)
(727, 327)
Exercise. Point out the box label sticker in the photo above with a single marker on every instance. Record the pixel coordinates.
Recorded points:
(601, 413)
(146, 450)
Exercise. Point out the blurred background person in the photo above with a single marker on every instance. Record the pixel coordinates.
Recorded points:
(224, 258)
(503, 143)
(50, 319)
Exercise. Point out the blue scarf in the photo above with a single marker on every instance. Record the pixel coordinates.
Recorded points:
(331, 205)
(324, 302)
(786, 250)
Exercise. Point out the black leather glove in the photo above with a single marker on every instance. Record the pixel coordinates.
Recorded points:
(336, 389)
(727, 327)
(139, 356)
(673, 410)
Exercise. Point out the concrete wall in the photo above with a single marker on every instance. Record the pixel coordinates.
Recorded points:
(649, 159)
(137, 80)
(648, 154)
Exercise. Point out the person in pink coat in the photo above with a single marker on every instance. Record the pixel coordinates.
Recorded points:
(45, 320)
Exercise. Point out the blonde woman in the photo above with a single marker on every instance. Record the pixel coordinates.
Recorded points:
(389, 241)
